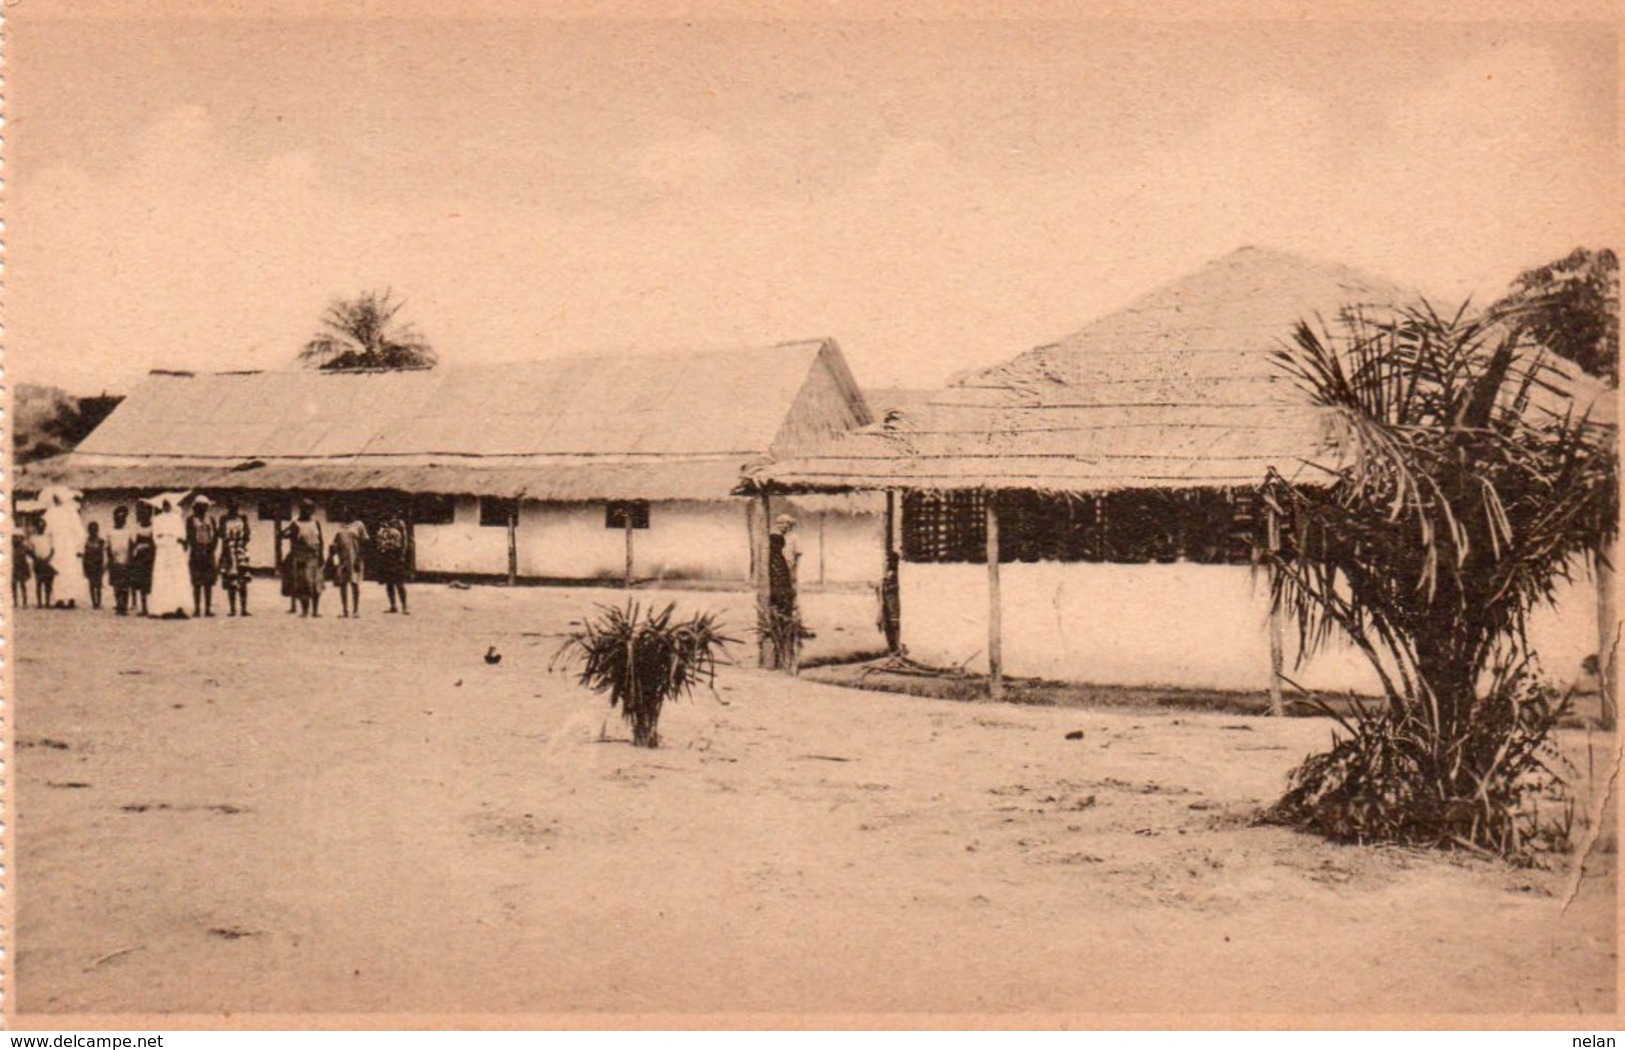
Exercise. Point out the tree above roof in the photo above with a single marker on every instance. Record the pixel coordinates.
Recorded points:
(363, 333)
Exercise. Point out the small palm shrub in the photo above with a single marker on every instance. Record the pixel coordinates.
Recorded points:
(642, 658)
(783, 632)
(1386, 779)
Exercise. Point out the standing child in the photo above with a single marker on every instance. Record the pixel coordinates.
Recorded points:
(41, 552)
(94, 560)
(143, 553)
(202, 556)
(346, 558)
(234, 558)
(118, 559)
(391, 564)
(20, 572)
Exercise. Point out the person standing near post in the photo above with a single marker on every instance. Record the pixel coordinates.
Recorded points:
(234, 562)
(118, 559)
(202, 541)
(783, 564)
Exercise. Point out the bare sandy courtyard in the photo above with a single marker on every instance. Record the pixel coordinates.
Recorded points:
(362, 816)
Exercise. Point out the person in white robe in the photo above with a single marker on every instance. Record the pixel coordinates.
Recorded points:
(171, 582)
(67, 532)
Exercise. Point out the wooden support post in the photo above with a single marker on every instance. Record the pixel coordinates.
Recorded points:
(821, 517)
(891, 521)
(891, 583)
(1607, 637)
(760, 519)
(628, 529)
(1277, 628)
(278, 524)
(995, 612)
(513, 544)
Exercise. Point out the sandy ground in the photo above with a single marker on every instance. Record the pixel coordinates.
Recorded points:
(357, 816)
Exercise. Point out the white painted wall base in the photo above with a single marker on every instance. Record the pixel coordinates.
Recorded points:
(1179, 625)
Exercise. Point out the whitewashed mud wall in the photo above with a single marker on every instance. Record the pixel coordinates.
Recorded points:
(685, 540)
(1179, 625)
(569, 541)
(841, 548)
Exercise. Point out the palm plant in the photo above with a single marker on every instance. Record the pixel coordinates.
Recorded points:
(1465, 487)
(783, 632)
(643, 658)
(363, 333)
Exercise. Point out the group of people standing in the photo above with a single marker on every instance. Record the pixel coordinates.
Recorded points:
(303, 572)
(167, 564)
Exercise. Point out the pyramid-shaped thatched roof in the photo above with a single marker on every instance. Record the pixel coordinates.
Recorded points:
(1176, 390)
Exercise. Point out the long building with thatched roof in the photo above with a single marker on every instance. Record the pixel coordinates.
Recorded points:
(1114, 473)
(571, 468)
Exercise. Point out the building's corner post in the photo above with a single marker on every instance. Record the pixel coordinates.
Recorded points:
(513, 542)
(1277, 628)
(891, 581)
(627, 524)
(759, 518)
(822, 572)
(1607, 635)
(995, 610)
(277, 525)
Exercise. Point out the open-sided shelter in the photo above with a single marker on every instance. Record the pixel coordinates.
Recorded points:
(1088, 510)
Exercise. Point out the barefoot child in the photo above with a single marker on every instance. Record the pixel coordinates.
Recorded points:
(41, 551)
(21, 574)
(346, 559)
(390, 566)
(234, 564)
(143, 553)
(118, 559)
(94, 561)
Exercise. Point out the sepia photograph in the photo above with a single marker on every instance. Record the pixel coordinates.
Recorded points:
(1060, 517)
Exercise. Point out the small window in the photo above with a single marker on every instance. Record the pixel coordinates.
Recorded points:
(430, 508)
(624, 513)
(277, 506)
(496, 512)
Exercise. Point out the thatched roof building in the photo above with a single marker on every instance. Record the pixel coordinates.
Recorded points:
(1177, 390)
(659, 427)
(1116, 472)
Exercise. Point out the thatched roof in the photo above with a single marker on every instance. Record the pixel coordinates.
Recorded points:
(676, 426)
(1176, 390)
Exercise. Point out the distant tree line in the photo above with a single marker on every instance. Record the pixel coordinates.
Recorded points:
(1571, 307)
(48, 421)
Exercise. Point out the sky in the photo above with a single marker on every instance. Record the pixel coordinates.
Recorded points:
(192, 193)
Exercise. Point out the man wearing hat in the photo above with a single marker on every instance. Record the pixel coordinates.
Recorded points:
(783, 563)
(202, 555)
